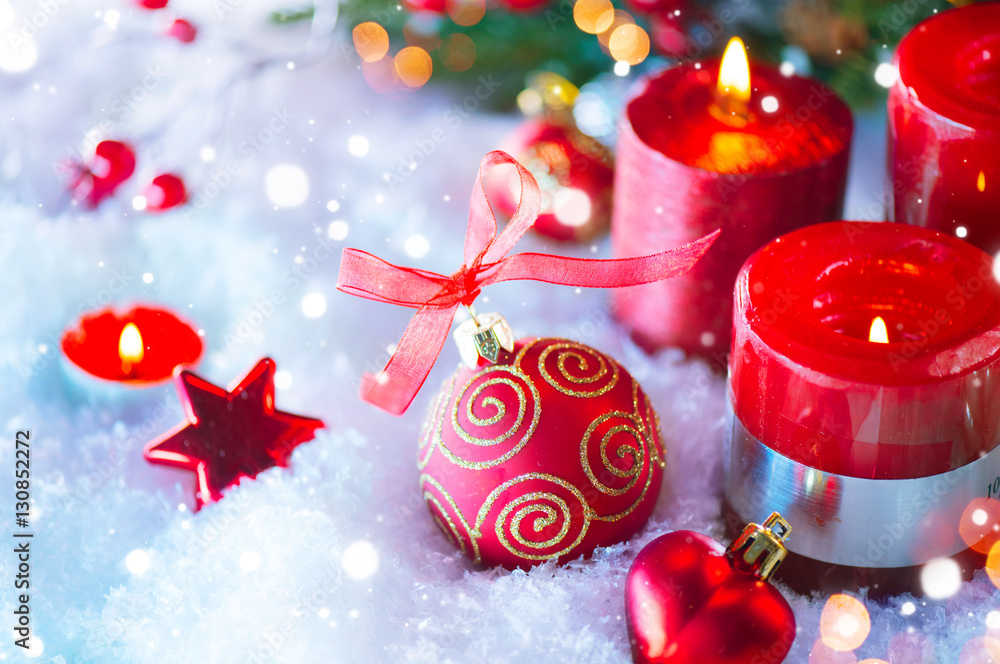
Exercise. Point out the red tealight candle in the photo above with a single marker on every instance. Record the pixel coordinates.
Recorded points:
(943, 125)
(138, 348)
(865, 395)
(750, 151)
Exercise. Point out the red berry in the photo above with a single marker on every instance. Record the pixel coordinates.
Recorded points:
(113, 163)
(164, 192)
(182, 30)
(152, 4)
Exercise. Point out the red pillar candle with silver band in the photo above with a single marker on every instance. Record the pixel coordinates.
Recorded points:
(865, 395)
(944, 125)
(755, 153)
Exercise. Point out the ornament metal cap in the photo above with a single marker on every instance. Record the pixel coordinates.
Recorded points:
(482, 337)
(758, 550)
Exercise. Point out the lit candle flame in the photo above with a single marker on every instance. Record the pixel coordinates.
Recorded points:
(981, 182)
(734, 76)
(130, 346)
(878, 334)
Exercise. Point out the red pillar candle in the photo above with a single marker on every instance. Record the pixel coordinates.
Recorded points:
(944, 125)
(137, 348)
(874, 450)
(686, 166)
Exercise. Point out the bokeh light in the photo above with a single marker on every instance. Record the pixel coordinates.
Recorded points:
(873, 660)
(371, 41)
(358, 146)
(824, 654)
(249, 561)
(413, 66)
(620, 18)
(381, 74)
(416, 246)
(844, 623)
(941, 578)
(313, 305)
(572, 206)
(885, 75)
(458, 52)
(466, 12)
(282, 379)
(629, 43)
(593, 16)
(360, 560)
(338, 230)
(993, 565)
(980, 524)
(137, 562)
(980, 650)
(286, 185)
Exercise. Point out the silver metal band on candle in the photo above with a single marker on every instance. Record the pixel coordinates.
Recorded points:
(853, 521)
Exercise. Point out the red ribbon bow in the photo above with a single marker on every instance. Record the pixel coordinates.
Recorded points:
(436, 296)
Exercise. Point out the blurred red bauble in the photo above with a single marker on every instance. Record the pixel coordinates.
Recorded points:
(547, 454)
(152, 4)
(574, 172)
(687, 601)
(658, 6)
(524, 5)
(182, 30)
(113, 162)
(668, 34)
(164, 192)
(433, 6)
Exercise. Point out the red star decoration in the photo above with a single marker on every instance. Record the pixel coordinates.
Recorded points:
(230, 434)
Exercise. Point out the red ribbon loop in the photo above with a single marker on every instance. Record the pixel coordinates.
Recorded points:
(436, 296)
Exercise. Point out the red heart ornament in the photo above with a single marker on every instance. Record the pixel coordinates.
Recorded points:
(686, 603)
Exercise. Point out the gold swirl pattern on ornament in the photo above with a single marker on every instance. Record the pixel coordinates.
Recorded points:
(450, 529)
(644, 453)
(637, 451)
(652, 426)
(495, 375)
(595, 383)
(430, 432)
(545, 508)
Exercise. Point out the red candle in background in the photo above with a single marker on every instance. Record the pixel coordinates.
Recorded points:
(692, 158)
(137, 348)
(944, 125)
(865, 356)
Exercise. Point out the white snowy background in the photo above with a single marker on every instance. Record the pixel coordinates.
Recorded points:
(334, 559)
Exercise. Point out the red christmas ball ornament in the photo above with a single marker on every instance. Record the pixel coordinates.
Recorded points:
(546, 454)
(152, 4)
(668, 33)
(432, 6)
(164, 192)
(689, 600)
(540, 449)
(113, 162)
(182, 30)
(524, 6)
(573, 171)
(658, 6)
